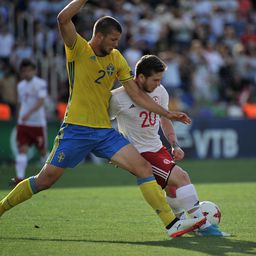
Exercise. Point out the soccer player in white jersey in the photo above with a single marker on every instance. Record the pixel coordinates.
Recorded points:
(141, 128)
(31, 125)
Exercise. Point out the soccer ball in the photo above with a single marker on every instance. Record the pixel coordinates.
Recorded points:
(211, 211)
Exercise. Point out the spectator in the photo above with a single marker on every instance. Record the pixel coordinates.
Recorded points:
(8, 87)
(6, 43)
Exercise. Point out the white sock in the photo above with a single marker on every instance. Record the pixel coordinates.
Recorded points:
(188, 199)
(175, 206)
(21, 165)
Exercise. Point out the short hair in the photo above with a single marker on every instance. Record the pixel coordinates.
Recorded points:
(27, 63)
(106, 25)
(148, 65)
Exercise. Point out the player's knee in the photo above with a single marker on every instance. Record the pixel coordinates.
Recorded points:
(179, 177)
(23, 149)
(43, 184)
(185, 177)
(144, 170)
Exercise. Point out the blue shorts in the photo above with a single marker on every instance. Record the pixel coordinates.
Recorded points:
(74, 142)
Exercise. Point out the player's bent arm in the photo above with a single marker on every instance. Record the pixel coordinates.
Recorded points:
(142, 99)
(66, 26)
(37, 106)
(145, 101)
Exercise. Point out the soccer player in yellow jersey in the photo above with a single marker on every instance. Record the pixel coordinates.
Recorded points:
(92, 69)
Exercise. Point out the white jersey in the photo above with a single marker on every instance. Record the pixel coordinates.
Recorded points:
(138, 125)
(29, 92)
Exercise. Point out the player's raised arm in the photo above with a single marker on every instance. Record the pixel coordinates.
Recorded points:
(145, 101)
(66, 26)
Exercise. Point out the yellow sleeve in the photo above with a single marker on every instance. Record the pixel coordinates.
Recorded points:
(75, 51)
(124, 72)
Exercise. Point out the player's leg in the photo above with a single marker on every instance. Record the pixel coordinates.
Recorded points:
(129, 159)
(25, 189)
(21, 160)
(174, 202)
(115, 147)
(186, 194)
(40, 141)
(162, 165)
(62, 156)
(187, 198)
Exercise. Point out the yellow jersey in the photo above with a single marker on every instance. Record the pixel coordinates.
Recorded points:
(91, 79)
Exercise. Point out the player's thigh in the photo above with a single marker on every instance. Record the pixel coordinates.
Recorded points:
(162, 165)
(23, 138)
(48, 175)
(39, 138)
(129, 158)
(23, 149)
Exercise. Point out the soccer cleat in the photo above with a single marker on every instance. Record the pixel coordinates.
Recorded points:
(212, 230)
(182, 227)
(14, 181)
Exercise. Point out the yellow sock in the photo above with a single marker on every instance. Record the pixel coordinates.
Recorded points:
(154, 195)
(22, 192)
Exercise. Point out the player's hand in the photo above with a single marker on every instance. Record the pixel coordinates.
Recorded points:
(177, 153)
(25, 117)
(179, 116)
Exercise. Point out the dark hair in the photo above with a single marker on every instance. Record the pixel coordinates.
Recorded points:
(106, 25)
(148, 65)
(27, 63)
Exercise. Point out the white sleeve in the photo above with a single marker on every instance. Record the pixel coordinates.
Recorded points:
(113, 107)
(164, 98)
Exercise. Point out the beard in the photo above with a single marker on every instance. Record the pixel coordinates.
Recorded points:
(104, 52)
(146, 89)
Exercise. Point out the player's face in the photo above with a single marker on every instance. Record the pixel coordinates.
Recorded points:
(28, 73)
(109, 42)
(150, 83)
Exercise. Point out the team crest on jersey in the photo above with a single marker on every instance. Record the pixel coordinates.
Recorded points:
(61, 157)
(110, 69)
(156, 99)
(166, 161)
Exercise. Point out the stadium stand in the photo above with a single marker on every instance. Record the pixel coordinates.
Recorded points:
(209, 46)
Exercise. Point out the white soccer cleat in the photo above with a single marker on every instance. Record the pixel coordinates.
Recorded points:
(182, 227)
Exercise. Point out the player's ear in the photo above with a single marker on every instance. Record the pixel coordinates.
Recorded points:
(99, 36)
(141, 78)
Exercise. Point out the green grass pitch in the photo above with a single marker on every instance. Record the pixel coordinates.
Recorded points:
(99, 211)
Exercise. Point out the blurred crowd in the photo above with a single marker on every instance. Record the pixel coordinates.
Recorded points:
(209, 47)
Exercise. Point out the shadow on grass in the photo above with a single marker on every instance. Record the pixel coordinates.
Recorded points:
(211, 245)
